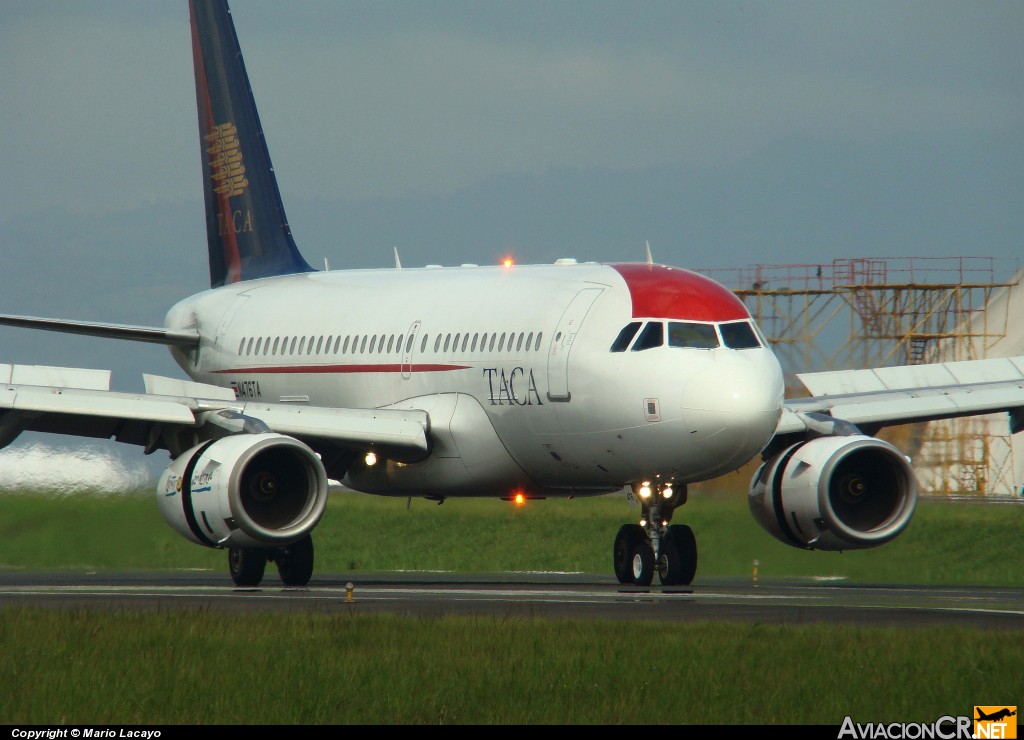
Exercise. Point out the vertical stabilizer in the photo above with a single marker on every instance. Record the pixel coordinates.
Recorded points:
(247, 231)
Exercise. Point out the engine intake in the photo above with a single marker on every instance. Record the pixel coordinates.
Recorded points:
(835, 493)
(247, 490)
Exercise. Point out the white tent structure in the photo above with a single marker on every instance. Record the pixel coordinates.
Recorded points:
(978, 455)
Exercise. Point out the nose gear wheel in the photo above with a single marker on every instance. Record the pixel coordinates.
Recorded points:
(652, 546)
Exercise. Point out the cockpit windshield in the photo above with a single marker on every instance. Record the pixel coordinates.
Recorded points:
(687, 335)
(690, 334)
(739, 335)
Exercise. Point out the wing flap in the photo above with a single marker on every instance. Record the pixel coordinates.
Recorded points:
(930, 407)
(160, 386)
(110, 405)
(910, 393)
(58, 377)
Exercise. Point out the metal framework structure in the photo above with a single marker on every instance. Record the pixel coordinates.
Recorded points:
(875, 312)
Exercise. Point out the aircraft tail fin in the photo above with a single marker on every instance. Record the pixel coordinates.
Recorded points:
(247, 231)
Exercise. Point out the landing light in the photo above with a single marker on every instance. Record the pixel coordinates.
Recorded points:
(507, 262)
(519, 499)
(645, 490)
(371, 459)
(667, 491)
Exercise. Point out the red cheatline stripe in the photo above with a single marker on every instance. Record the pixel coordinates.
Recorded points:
(393, 368)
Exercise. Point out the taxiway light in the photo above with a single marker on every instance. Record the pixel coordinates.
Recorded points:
(371, 459)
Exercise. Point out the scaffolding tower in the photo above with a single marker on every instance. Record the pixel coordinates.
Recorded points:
(876, 312)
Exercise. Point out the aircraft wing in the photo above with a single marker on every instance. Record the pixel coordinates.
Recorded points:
(872, 399)
(154, 334)
(79, 402)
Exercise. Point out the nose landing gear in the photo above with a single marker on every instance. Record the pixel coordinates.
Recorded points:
(654, 545)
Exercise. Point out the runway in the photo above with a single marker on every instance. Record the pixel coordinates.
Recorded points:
(530, 595)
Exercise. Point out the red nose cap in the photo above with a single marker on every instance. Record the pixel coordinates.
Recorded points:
(664, 292)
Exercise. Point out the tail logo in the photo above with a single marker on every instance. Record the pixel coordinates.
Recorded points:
(226, 168)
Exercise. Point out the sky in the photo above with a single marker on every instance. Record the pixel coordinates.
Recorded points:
(725, 134)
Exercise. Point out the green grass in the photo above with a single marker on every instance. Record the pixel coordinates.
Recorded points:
(103, 666)
(80, 667)
(946, 543)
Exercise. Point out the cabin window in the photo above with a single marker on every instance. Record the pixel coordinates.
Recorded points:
(337, 343)
(739, 335)
(302, 345)
(455, 344)
(277, 342)
(437, 343)
(529, 341)
(494, 338)
(423, 344)
(536, 347)
(465, 341)
(259, 342)
(344, 347)
(692, 335)
(362, 344)
(398, 344)
(501, 342)
(483, 342)
(408, 343)
(519, 343)
(447, 341)
(373, 343)
(320, 344)
(651, 336)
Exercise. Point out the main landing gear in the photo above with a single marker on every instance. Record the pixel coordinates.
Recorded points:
(294, 563)
(654, 545)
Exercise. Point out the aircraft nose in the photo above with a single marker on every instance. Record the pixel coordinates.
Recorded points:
(732, 407)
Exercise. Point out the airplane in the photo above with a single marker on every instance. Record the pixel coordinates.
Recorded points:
(570, 379)
(995, 716)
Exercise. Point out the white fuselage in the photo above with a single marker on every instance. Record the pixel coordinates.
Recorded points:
(514, 365)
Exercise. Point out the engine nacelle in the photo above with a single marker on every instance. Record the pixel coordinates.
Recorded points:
(835, 493)
(247, 490)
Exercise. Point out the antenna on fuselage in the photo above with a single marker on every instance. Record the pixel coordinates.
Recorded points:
(398, 262)
(327, 267)
(647, 246)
